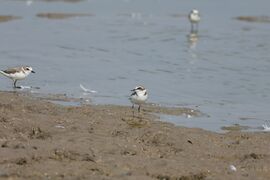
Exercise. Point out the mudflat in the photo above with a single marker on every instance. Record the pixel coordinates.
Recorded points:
(42, 140)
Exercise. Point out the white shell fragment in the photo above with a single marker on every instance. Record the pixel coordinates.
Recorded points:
(266, 127)
(232, 168)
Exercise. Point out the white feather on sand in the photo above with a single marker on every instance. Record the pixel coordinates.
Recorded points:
(87, 90)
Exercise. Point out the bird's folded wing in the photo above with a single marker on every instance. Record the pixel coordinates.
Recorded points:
(11, 70)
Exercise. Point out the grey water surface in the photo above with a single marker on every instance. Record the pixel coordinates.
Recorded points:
(223, 71)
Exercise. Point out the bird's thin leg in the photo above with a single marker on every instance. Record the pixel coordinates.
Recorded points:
(191, 31)
(139, 108)
(132, 107)
(14, 84)
(197, 27)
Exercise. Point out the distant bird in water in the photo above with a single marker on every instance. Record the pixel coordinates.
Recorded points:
(17, 73)
(139, 96)
(194, 18)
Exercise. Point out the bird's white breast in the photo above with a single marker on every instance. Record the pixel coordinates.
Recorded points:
(194, 18)
(18, 75)
(140, 98)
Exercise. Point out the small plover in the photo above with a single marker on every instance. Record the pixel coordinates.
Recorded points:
(139, 96)
(17, 73)
(194, 18)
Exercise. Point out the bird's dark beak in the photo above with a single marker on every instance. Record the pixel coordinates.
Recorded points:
(132, 90)
(33, 72)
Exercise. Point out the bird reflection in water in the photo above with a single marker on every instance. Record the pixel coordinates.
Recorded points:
(192, 39)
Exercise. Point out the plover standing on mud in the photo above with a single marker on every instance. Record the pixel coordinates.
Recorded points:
(139, 96)
(17, 73)
(194, 18)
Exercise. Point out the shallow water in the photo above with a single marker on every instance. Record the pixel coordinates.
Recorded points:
(223, 72)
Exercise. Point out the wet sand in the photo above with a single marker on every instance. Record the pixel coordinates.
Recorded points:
(42, 140)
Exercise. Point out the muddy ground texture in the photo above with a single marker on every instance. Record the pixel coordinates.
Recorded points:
(42, 140)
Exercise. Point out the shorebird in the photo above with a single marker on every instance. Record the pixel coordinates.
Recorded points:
(194, 18)
(139, 96)
(17, 73)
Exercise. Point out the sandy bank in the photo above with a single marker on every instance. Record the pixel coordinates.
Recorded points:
(40, 140)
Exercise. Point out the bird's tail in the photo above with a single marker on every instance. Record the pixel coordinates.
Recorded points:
(3, 73)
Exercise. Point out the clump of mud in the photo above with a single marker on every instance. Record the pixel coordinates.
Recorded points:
(6, 18)
(61, 15)
(68, 1)
(258, 19)
(235, 127)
